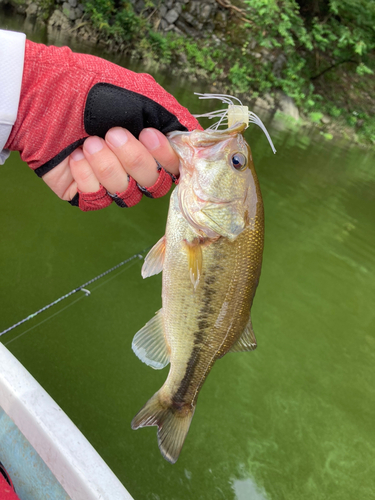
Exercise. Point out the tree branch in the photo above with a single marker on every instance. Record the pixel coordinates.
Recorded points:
(332, 67)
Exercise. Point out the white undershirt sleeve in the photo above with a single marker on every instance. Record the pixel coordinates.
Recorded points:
(12, 53)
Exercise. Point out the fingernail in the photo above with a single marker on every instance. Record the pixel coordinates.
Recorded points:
(77, 154)
(93, 145)
(117, 137)
(150, 139)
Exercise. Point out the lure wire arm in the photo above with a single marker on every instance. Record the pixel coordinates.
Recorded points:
(232, 115)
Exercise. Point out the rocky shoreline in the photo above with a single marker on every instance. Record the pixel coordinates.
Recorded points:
(197, 19)
(206, 19)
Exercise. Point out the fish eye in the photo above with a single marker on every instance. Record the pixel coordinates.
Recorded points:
(239, 161)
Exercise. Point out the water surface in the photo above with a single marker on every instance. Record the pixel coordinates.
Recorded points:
(292, 420)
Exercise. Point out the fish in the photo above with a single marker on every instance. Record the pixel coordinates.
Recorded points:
(211, 258)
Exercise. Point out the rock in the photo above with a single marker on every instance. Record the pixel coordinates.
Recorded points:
(59, 20)
(163, 24)
(193, 7)
(183, 58)
(73, 3)
(190, 19)
(66, 9)
(169, 4)
(216, 39)
(177, 30)
(270, 100)
(178, 8)
(139, 5)
(278, 65)
(287, 106)
(185, 28)
(208, 29)
(221, 18)
(32, 10)
(21, 8)
(171, 16)
(359, 123)
(261, 103)
(163, 10)
(205, 12)
(326, 120)
(170, 27)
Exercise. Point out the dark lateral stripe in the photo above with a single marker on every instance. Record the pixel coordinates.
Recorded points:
(190, 369)
(50, 164)
(203, 325)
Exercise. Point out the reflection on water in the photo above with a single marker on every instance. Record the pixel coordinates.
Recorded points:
(292, 420)
(246, 489)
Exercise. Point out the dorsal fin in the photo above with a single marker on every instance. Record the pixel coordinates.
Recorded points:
(247, 341)
(150, 345)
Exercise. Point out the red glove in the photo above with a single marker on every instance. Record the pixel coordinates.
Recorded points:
(65, 97)
(6, 486)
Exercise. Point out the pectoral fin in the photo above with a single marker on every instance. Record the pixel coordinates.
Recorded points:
(150, 345)
(154, 260)
(247, 341)
(195, 259)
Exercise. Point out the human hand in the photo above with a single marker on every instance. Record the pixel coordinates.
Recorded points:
(67, 97)
(103, 166)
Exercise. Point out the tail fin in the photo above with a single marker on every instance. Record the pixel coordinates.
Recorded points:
(173, 425)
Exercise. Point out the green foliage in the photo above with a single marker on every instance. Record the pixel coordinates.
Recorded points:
(315, 116)
(287, 45)
(335, 111)
(160, 46)
(121, 23)
(46, 7)
(362, 70)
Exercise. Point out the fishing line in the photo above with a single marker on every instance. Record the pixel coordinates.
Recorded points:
(72, 303)
(81, 288)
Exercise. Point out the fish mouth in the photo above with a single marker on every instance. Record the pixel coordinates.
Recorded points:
(199, 196)
(212, 202)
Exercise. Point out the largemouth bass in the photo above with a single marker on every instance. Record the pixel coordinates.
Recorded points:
(211, 258)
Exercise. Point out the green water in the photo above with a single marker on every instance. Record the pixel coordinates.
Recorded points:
(292, 420)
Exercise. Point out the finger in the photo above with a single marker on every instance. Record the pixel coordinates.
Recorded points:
(61, 181)
(105, 165)
(82, 172)
(133, 155)
(158, 145)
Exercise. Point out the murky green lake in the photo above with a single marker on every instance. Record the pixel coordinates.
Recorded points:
(292, 420)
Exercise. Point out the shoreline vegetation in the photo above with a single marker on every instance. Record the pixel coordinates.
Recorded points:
(313, 60)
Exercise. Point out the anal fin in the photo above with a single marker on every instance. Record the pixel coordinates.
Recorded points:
(247, 341)
(150, 345)
(154, 260)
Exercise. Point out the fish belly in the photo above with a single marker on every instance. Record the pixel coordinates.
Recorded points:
(202, 324)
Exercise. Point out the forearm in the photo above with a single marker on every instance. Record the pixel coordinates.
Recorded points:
(12, 51)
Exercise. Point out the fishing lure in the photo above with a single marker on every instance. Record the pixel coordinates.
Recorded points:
(235, 113)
